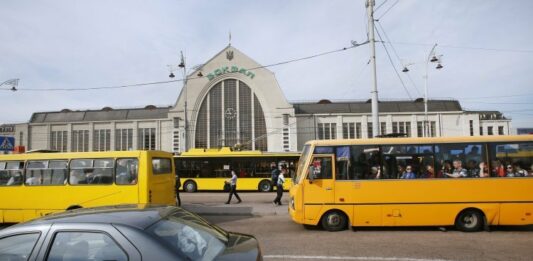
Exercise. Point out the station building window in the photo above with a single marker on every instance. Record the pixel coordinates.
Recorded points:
(231, 114)
(146, 139)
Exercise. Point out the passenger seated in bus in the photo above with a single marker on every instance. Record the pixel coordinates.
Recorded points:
(497, 168)
(123, 172)
(483, 170)
(133, 176)
(401, 171)
(472, 169)
(77, 177)
(15, 179)
(510, 172)
(458, 170)
(375, 172)
(446, 168)
(519, 171)
(429, 173)
(32, 181)
(408, 174)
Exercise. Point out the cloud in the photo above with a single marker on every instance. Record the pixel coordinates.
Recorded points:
(73, 44)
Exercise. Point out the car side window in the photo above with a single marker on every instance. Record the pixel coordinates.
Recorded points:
(17, 247)
(85, 246)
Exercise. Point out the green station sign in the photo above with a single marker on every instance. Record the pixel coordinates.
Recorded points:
(232, 69)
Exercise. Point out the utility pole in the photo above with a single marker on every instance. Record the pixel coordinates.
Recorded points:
(186, 124)
(173, 68)
(426, 118)
(371, 39)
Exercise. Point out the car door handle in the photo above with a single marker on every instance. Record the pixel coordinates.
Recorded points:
(327, 188)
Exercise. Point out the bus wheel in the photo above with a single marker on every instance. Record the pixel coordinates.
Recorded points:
(469, 220)
(334, 221)
(189, 186)
(265, 186)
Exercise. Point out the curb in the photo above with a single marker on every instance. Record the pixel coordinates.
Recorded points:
(247, 211)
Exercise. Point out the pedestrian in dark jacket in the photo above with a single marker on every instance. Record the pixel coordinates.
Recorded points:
(274, 178)
(178, 186)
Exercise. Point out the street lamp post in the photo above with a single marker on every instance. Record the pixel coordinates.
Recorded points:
(171, 75)
(431, 58)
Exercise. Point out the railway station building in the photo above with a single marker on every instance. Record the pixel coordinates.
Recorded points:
(232, 101)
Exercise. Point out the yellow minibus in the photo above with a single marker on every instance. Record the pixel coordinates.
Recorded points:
(469, 182)
(35, 184)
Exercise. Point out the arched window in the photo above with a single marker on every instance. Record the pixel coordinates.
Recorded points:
(231, 114)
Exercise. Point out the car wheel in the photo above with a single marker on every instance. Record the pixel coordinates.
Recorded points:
(190, 186)
(265, 186)
(334, 221)
(469, 220)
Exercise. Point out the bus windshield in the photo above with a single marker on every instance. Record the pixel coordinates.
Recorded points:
(301, 163)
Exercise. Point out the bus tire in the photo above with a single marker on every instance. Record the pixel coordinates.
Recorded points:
(334, 220)
(265, 186)
(73, 207)
(190, 186)
(469, 220)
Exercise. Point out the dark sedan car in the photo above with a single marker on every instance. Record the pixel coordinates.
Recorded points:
(132, 232)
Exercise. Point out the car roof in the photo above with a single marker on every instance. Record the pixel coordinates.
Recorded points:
(140, 216)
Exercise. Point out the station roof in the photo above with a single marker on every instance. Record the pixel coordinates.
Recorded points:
(326, 106)
(105, 114)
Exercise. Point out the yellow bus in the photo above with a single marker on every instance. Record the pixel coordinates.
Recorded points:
(35, 184)
(207, 169)
(469, 182)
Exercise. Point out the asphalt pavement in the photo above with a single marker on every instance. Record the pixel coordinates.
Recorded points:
(282, 239)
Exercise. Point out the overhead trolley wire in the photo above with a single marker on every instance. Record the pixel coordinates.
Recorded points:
(188, 78)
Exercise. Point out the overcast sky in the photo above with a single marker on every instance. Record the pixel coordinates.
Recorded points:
(84, 44)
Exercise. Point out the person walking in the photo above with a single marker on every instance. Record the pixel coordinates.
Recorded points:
(279, 186)
(178, 186)
(274, 179)
(233, 187)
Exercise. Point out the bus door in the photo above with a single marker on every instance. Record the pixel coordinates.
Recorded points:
(318, 186)
(161, 187)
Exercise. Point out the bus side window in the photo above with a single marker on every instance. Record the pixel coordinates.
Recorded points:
(161, 166)
(11, 173)
(511, 160)
(126, 171)
(102, 171)
(460, 160)
(36, 173)
(320, 168)
(58, 172)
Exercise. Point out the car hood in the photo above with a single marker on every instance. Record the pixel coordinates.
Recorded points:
(241, 247)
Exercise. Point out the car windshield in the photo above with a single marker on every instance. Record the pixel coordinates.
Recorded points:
(190, 235)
